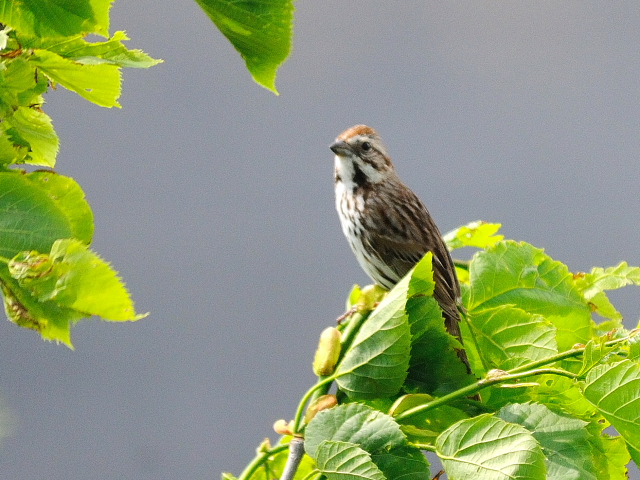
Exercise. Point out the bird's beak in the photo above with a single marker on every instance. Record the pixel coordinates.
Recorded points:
(341, 148)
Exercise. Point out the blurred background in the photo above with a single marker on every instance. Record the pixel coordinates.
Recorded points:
(214, 200)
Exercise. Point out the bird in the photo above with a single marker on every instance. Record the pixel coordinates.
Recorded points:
(387, 226)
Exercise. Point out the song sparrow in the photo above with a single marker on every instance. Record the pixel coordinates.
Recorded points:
(387, 226)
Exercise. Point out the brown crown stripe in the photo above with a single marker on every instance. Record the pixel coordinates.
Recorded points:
(357, 130)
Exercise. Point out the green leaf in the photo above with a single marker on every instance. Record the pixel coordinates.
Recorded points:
(346, 461)
(79, 50)
(425, 427)
(509, 337)
(593, 285)
(259, 31)
(609, 453)
(421, 275)
(354, 423)
(32, 128)
(475, 234)
(376, 363)
(403, 463)
(47, 293)
(486, 447)
(634, 348)
(595, 352)
(38, 208)
(9, 153)
(354, 295)
(99, 84)
(434, 365)
(615, 391)
(521, 275)
(51, 18)
(80, 280)
(16, 76)
(563, 393)
(564, 440)
(47, 318)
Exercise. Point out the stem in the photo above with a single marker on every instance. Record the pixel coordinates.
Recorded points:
(517, 373)
(311, 474)
(425, 446)
(461, 264)
(349, 333)
(259, 460)
(303, 402)
(564, 355)
(480, 385)
(324, 383)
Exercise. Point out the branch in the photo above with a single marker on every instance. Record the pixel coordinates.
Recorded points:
(296, 452)
(492, 378)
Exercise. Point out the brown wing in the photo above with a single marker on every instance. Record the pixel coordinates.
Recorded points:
(405, 235)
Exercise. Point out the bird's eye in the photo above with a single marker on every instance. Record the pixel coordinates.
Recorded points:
(366, 146)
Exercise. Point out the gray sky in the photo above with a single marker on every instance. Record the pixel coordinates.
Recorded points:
(214, 199)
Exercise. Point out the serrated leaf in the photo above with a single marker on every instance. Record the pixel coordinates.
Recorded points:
(561, 392)
(593, 285)
(609, 453)
(33, 127)
(346, 461)
(634, 348)
(376, 363)
(434, 367)
(9, 153)
(475, 234)
(76, 284)
(99, 84)
(355, 423)
(421, 282)
(403, 463)
(612, 278)
(487, 447)
(47, 318)
(521, 275)
(16, 76)
(615, 391)
(564, 440)
(84, 283)
(509, 337)
(56, 17)
(259, 31)
(38, 208)
(595, 352)
(425, 427)
(81, 51)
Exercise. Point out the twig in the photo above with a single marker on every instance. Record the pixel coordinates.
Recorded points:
(481, 384)
(296, 452)
(259, 460)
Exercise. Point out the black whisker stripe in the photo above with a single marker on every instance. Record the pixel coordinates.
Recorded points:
(359, 177)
